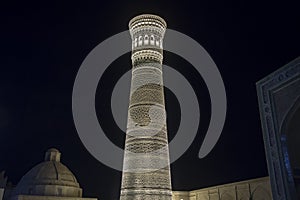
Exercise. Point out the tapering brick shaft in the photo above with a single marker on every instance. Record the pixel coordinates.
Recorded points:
(146, 170)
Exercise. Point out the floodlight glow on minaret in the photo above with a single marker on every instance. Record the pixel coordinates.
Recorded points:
(146, 170)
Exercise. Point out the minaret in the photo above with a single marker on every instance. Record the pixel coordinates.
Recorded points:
(146, 170)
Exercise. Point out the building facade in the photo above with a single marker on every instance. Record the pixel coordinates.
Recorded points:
(254, 189)
(279, 103)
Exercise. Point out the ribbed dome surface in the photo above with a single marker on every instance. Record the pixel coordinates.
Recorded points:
(50, 173)
(49, 178)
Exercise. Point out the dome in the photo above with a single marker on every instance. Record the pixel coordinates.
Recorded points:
(49, 178)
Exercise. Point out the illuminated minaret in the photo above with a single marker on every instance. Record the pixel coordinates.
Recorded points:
(146, 170)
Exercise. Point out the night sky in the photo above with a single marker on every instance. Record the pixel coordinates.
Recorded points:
(44, 43)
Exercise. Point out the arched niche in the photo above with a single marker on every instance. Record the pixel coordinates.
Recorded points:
(227, 196)
(291, 144)
(260, 193)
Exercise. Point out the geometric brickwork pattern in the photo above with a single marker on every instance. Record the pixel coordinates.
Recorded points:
(146, 171)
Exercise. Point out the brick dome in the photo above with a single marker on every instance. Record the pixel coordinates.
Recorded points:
(49, 178)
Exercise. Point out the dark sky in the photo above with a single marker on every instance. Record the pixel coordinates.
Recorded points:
(44, 43)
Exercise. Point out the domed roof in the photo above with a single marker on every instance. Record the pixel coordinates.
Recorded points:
(49, 178)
